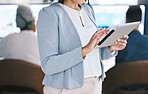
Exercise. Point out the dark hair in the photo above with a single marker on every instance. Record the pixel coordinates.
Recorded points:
(27, 26)
(59, 1)
(134, 14)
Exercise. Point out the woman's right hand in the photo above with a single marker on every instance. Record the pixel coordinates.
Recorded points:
(94, 41)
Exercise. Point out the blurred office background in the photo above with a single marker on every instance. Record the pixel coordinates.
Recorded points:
(112, 11)
(92, 1)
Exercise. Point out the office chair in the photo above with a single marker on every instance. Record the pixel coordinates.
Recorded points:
(20, 77)
(124, 74)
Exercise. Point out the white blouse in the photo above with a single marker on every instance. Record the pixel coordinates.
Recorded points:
(92, 66)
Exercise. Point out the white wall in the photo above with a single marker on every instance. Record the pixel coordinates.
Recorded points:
(20, 1)
(130, 2)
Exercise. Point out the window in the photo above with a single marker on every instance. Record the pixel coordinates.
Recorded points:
(129, 2)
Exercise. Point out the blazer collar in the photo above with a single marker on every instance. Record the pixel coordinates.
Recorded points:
(89, 15)
(86, 10)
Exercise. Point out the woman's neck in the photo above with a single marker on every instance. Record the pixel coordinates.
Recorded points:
(72, 5)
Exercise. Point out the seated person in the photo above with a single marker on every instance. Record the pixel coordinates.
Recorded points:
(22, 45)
(137, 44)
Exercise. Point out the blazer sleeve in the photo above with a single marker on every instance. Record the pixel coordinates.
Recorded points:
(106, 54)
(47, 31)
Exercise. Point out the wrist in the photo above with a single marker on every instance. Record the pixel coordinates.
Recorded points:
(111, 49)
(85, 51)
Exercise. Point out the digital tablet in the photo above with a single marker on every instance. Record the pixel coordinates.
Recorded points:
(118, 32)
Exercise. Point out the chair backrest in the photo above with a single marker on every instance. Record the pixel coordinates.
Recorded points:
(21, 74)
(126, 73)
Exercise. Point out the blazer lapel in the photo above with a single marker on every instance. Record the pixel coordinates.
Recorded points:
(89, 15)
(70, 21)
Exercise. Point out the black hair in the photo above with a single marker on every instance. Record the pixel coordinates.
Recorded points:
(134, 14)
(59, 1)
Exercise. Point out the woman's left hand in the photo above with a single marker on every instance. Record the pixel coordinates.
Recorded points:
(120, 44)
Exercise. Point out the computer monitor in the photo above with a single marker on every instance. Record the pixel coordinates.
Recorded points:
(8, 16)
(106, 16)
(112, 15)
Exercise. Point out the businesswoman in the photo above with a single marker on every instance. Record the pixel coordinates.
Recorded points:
(67, 37)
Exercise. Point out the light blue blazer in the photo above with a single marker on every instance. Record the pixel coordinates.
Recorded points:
(60, 48)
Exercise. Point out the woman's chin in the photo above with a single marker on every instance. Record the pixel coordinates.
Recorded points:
(81, 2)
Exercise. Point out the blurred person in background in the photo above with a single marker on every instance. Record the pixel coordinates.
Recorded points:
(22, 45)
(137, 44)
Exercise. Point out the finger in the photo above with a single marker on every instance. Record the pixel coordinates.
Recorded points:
(104, 30)
(121, 47)
(97, 42)
(100, 37)
(120, 44)
(125, 37)
(97, 35)
(122, 41)
(101, 32)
